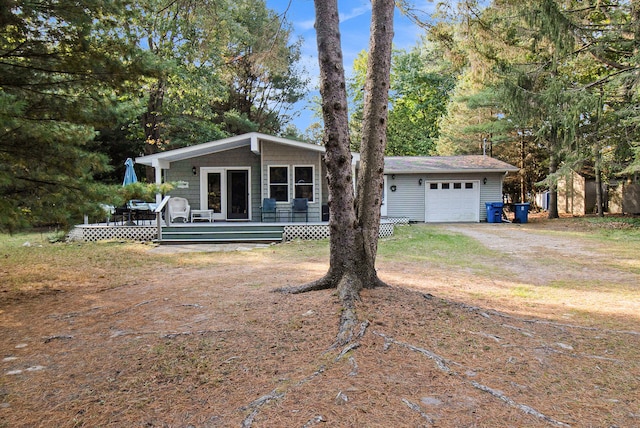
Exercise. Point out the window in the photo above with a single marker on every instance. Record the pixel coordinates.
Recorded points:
(445, 186)
(468, 185)
(457, 185)
(303, 179)
(433, 186)
(279, 183)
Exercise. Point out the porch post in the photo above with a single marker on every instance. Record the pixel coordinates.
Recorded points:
(158, 171)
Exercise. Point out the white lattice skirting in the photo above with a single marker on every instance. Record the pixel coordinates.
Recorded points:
(321, 231)
(92, 233)
(396, 220)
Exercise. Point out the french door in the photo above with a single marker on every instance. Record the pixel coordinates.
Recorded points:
(225, 191)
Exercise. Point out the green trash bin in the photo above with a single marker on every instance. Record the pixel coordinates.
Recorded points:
(522, 213)
(494, 212)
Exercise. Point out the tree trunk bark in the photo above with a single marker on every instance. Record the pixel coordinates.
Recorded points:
(599, 198)
(374, 137)
(354, 223)
(553, 188)
(151, 120)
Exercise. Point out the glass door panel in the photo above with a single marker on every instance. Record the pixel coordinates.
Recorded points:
(214, 192)
(238, 194)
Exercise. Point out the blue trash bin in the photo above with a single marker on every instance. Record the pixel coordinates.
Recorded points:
(522, 213)
(494, 212)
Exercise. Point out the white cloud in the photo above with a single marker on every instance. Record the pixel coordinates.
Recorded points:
(355, 12)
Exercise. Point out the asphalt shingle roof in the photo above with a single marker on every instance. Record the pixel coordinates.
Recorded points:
(444, 164)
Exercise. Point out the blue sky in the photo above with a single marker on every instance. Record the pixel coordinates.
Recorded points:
(355, 16)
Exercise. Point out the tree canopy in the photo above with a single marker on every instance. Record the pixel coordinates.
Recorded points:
(84, 85)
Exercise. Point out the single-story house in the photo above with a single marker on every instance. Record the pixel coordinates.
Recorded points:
(234, 175)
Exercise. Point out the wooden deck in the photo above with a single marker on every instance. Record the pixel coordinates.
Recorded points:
(215, 232)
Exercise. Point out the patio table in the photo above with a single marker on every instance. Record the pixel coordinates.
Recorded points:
(204, 215)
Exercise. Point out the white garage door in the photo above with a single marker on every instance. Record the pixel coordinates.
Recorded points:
(452, 201)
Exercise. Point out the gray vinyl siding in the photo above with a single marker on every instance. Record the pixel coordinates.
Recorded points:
(490, 192)
(280, 155)
(236, 158)
(409, 198)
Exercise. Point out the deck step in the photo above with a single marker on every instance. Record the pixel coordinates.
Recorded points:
(178, 234)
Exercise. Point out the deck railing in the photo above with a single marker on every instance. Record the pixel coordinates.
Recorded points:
(158, 213)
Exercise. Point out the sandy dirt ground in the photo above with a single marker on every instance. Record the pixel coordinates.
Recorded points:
(213, 346)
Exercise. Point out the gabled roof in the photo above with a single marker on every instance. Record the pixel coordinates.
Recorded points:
(445, 164)
(251, 139)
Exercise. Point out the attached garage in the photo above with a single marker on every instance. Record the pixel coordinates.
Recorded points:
(442, 189)
(452, 201)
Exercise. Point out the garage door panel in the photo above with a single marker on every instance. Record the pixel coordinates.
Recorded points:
(452, 201)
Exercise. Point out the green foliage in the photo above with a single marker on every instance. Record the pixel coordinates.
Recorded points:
(558, 76)
(85, 85)
(420, 88)
(60, 66)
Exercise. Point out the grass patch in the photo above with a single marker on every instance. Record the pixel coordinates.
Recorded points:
(429, 244)
(31, 263)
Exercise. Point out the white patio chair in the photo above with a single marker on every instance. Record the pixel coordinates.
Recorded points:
(178, 208)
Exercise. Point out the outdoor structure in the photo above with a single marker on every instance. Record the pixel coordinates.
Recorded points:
(233, 176)
(227, 190)
(442, 189)
(577, 195)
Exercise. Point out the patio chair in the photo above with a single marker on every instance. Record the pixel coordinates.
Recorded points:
(178, 208)
(268, 209)
(298, 207)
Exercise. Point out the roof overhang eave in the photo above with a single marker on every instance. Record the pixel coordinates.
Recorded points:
(451, 171)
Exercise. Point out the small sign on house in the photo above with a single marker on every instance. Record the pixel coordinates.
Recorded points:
(182, 184)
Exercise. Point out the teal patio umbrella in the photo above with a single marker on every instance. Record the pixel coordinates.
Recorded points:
(129, 173)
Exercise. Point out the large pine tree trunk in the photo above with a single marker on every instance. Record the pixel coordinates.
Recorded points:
(354, 234)
(374, 138)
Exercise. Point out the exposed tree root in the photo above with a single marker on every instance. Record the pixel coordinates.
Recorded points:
(256, 404)
(440, 362)
(443, 365)
(137, 305)
(416, 408)
(273, 396)
(560, 326)
(314, 421)
(325, 283)
(526, 409)
(350, 347)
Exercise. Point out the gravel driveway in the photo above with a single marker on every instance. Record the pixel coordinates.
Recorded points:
(542, 256)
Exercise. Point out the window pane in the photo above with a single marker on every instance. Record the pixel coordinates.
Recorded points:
(279, 192)
(468, 185)
(278, 174)
(304, 191)
(303, 180)
(433, 186)
(304, 174)
(445, 186)
(457, 185)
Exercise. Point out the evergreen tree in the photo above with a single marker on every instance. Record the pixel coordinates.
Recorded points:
(61, 65)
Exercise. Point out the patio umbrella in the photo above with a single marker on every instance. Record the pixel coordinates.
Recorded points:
(129, 173)
(129, 178)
